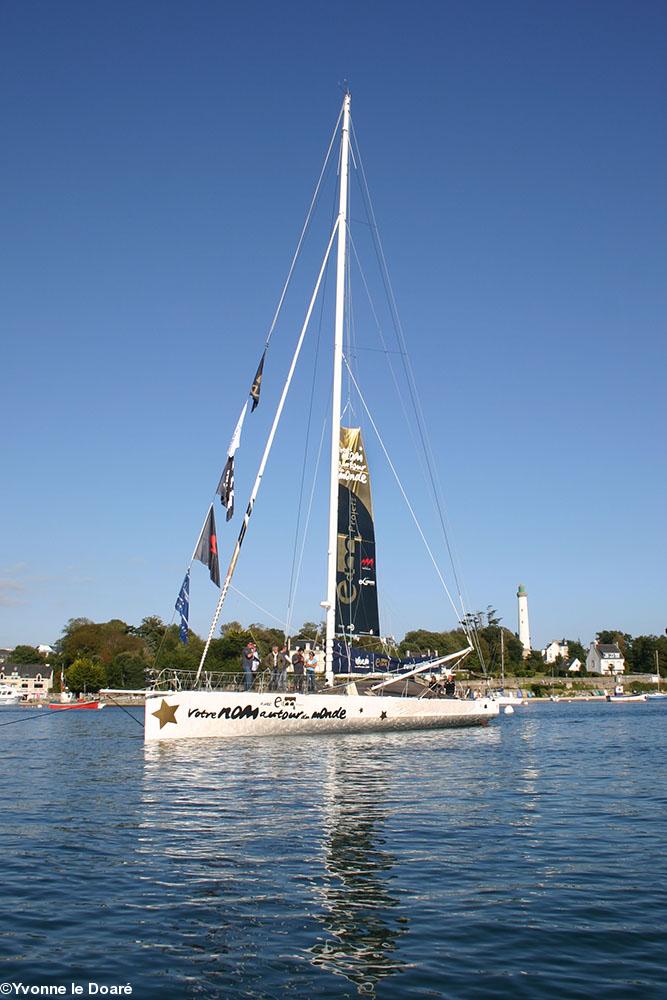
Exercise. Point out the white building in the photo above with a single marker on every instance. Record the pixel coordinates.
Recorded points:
(33, 680)
(574, 666)
(605, 658)
(524, 627)
(554, 649)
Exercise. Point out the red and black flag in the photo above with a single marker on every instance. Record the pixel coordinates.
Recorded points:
(207, 547)
(256, 387)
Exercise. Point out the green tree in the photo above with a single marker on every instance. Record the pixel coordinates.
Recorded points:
(532, 665)
(492, 618)
(126, 670)
(310, 631)
(151, 630)
(26, 654)
(576, 650)
(85, 676)
(230, 627)
(225, 653)
(622, 640)
(644, 648)
(101, 641)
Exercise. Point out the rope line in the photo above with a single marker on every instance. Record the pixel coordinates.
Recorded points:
(27, 718)
(410, 378)
(403, 493)
(118, 705)
(303, 231)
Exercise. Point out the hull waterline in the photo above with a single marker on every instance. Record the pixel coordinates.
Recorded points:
(225, 714)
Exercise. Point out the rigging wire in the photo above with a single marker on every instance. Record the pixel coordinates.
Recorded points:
(422, 457)
(305, 227)
(410, 378)
(385, 349)
(401, 488)
(27, 718)
(259, 607)
(295, 257)
(293, 583)
(308, 512)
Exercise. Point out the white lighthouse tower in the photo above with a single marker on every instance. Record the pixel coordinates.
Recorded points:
(524, 628)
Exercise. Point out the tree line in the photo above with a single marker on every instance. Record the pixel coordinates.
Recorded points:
(91, 655)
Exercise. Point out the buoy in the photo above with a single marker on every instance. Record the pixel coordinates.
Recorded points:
(509, 710)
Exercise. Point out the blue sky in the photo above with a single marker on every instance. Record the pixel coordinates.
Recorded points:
(158, 161)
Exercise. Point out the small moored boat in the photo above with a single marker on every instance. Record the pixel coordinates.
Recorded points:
(619, 695)
(9, 695)
(69, 706)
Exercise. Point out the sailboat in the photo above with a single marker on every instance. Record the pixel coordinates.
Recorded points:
(507, 699)
(657, 695)
(394, 694)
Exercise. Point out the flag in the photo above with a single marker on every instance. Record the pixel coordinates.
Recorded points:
(256, 387)
(183, 608)
(236, 436)
(207, 547)
(226, 485)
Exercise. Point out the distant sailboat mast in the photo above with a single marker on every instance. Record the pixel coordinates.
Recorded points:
(330, 603)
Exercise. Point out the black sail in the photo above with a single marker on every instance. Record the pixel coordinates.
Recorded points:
(356, 590)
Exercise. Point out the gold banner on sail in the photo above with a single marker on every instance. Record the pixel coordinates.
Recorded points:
(352, 466)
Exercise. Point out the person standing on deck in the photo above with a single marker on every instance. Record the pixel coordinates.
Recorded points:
(255, 662)
(271, 662)
(283, 663)
(297, 666)
(311, 663)
(247, 660)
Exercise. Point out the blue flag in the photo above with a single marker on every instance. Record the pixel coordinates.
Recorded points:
(183, 608)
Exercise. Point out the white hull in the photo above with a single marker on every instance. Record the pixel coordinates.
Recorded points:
(508, 699)
(225, 714)
(626, 697)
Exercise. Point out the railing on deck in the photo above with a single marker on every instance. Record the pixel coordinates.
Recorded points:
(171, 679)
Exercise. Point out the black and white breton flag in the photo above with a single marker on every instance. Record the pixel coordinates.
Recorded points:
(226, 485)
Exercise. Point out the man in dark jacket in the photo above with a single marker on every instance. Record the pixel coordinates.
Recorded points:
(248, 657)
(276, 661)
(283, 664)
(297, 666)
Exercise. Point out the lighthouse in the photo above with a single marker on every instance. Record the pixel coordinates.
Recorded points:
(524, 628)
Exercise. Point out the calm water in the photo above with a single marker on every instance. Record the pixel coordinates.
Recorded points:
(521, 860)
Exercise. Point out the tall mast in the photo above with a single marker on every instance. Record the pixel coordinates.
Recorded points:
(502, 657)
(330, 603)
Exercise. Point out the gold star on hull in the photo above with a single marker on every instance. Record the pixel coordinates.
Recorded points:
(166, 713)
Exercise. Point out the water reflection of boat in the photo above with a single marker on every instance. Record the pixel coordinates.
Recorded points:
(362, 919)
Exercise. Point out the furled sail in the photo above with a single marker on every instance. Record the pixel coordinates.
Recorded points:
(356, 591)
